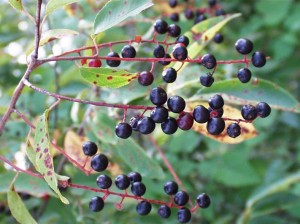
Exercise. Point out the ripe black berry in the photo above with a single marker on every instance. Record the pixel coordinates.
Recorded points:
(183, 40)
(164, 211)
(180, 52)
(203, 200)
(218, 38)
(161, 26)
(96, 204)
(200, 18)
(220, 12)
(122, 182)
(169, 75)
(159, 114)
(243, 46)
(165, 62)
(184, 215)
(212, 3)
(89, 148)
(169, 126)
(244, 75)
(208, 61)
(189, 14)
(258, 59)
(159, 51)
(146, 125)
(113, 63)
(138, 188)
(185, 121)
(181, 198)
(263, 109)
(176, 104)
(215, 125)
(215, 112)
(143, 208)
(104, 181)
(201, 114)
(133, 123)
(158, 96)
(216, 101)
(234, 130)
(145, 78)
(99, 162)
(207, 80)
(171, 187)
(134, 177)
(123, 130)
(249, 112)
(173, 3)
(174, 17)
(174, 30)
(128, 51)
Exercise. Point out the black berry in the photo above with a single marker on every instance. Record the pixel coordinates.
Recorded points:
(263, 109)
(158, 96)
(113, 63)
(258, 59)
(96, 204)
(169, 126)
(203, 200)
(165, 62)
(208, 61)
(164, 211)
(185, 121)
(215, 112)
(122, 182)
(189, 14)
(218, 38)
(233, 130)
(183, 40)
(201, 114)
(134, 177)
(220, 12)
(146, 125)
(184, 215)
(207, 80)
(104, 181)
(159, 114)
(176, 104)
(174, 30)
(128, 51)
(123, 130)
(171, 188)
(180, 52)
(216, 101)
(143, 208)
(89, 148)
(174, 17)
(215, 125)
(159, 51)
(161, 26)
(249, 112)
(133, 123)
(200, 18)
(244, 75)
(99, 162)
(181, 198)
(138, 188)
(169, 75)
(173, 3)
(212, 3)
(145, 78)
(243, 46)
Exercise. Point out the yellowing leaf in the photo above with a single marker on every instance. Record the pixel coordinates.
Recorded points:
(248, 130)
(53, 5)
(164, 7)
(16, 4)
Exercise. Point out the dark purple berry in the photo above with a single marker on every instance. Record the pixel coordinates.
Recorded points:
(234, 130)
(203, 200)
(212, 3)
(216, 101)
(161, 26)
(171, 188)
(201, 114)
(99, 162)
(176, 104)
(138, 189)
(181, 198)
(258, 59)
(173, 3)
(169, 126)
(244, 75)
(158, 96)
(159, 51)
(243, 46)
(134, 177)
(122, 182)
(165, 62)
(104, 181)
(200, 18)
(218, 38)
(123, 130)
(169, 75)
(215, 112)
(184, 215)
(133, 123)
(220, 12)
(145, 78)
(96, 204)
(174, 17)
(164, 211)
(159, 114)
(215, 125)
(263, 109)
(143, 208)
(128, 51)
(180, 52)
(183, 40)
(24, 196)
(208, 61)
(174, 30)
(189, 14)
(2, 208)
(113, 63)
(207, 80)
(89, 148)
(146, 125)
(249, 112)
(185, 121)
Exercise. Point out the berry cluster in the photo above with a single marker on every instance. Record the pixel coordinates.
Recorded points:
(179, 199)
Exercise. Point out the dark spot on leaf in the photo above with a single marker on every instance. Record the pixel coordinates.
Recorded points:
(49, 173)
(95, 82)
(46, 150)
(114, 71)
(38, 149)
(109, 78)
(109, 12)
(47, 161)
(40, 156)
(42, 140)
(41, 129)
(97, 75)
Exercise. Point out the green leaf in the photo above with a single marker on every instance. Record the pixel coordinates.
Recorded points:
(17, 207)
(107, 77)
(263, 91)
(52, 5)
(16, 4)
(115, 11)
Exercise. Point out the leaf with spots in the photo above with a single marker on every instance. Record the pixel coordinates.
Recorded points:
(16, 4)
(115, 11)
(107, 77)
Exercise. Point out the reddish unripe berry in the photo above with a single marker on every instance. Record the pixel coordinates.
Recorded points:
(96, 63)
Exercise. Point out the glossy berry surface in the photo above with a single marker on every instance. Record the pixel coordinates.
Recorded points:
(146, 125)
(201, 114)
(185, 121)
(180, 52)
(249, 112)
(181, 198)
(218, 38)
(183, 40)
(169, 126)
(176, 104)
(145, 78)
(134, 177)
(171, 188)
(215, 125)
(174, 17)
(169, 75)
(258, 59)
(159, 51)
(158, 96)
(208, 61)
(159, 114)
(113, 63)
(165, 62)
(263, 109)
(173, 3)
(96, 204)
(143, 208)
(89, 148)
(220, 12)
(161, 26)
(164, 211)
(189, 14)
(244, 75)
(96, 63)
(184, 215)
(199, 18)
(234, 130)
(203, 200)
(123, 130)
(104, 181)
(99, 162)
(216, 101)
(133, 123)
(207, 80)
(122, 182)
(243, 46)
(128, 51)
(138, 188)
(215, 112)
(174, 30)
